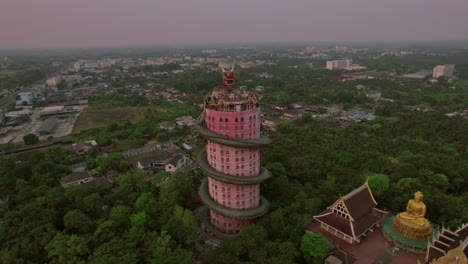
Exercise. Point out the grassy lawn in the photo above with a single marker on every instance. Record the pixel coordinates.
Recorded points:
(5, 73)
(91, 117)
(462, 82)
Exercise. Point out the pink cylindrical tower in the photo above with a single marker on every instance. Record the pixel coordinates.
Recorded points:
(231, 161)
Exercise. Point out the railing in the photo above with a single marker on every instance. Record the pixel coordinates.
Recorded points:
(231, 212)
(226, 178)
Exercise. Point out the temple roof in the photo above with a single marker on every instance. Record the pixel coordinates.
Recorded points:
(360, 202)
(357, 203)
(446, 241)
(353, 229)
(360, 212)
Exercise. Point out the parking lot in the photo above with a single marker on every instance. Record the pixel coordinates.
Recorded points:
(64, 127)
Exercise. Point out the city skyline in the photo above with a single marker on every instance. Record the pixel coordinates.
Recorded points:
(53, 23)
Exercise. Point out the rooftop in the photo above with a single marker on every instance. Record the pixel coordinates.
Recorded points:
(48, 126)
(75, 176)
(51, 109)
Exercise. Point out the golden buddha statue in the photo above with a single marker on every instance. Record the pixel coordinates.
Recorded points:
(412, 223)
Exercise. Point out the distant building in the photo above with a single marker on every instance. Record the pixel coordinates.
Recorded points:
(19, 114)
(22, 98)
(53, 81)
(360, 86)
(292, 114)
(163, 161)
(185, 121)
(339, 64)
(76, 178)
(58, 111)
(177, 163)
(443, 70)
(83, 147)
(417, 75)
(78, 167)
(111, 175)
(167, 125)
(77, 67)
(374, 95)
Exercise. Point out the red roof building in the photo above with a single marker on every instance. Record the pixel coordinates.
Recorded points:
(351, 216)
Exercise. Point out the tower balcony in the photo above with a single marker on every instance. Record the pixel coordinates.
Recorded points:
(264, 174)
(250, 213)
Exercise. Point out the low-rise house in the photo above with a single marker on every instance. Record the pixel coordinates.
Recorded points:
(368, 117)
(177, 163)
(83, 147)
(374, 95)
(185, 121)
(19, 114)
(78, 167)
(270, 123)
(162, 160)
(111, 175)
(297, 106)
(280, 107)
(333, 111)
(154, 163)
(25, 98)
(167, 126)
(291, 114)
(76, 178)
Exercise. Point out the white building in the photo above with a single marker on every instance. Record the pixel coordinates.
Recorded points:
(22, 98)
(18, 114)
(53, 81)
(77, 66)
(177, 163)
(443, 70)
(339, 64)
(76, 178)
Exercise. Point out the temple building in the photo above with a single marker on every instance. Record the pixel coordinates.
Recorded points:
(352, 215)
(230, 124)
(449, 247)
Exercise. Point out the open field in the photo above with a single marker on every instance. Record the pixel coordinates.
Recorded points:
(462, 82)
(7, 73)
(91, 118)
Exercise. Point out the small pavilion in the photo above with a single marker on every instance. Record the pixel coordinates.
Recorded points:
(352, 215)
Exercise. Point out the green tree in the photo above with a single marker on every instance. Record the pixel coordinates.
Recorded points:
(182, 226)
(68, 249)
(160, 252)
(314, 247)
(30, 139)
(378, 183)
(77, 222)
(162, 136)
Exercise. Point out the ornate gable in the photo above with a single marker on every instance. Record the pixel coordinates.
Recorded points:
(339, 208)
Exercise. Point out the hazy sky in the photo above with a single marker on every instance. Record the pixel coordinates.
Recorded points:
(77, 23)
